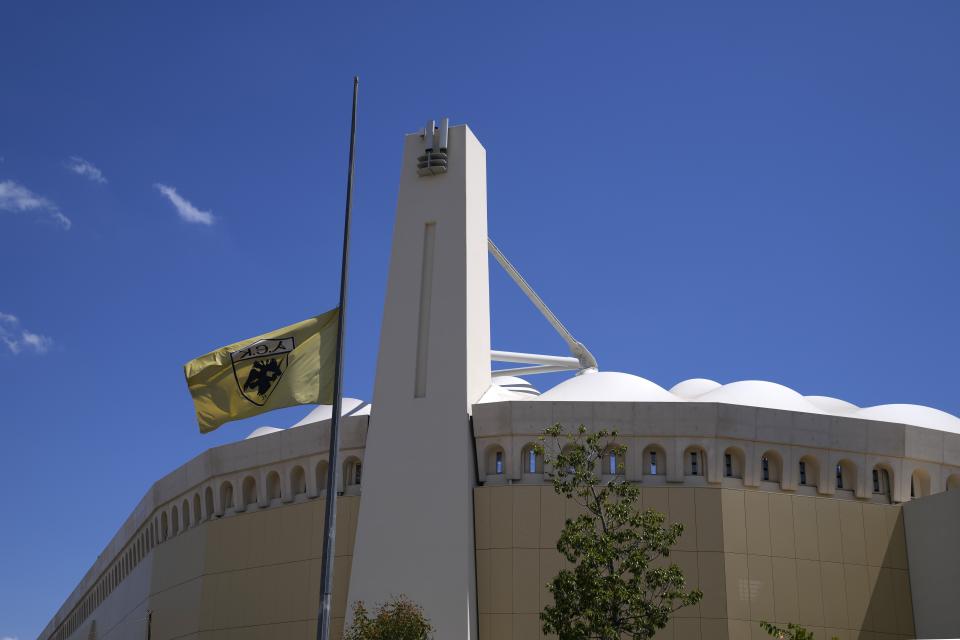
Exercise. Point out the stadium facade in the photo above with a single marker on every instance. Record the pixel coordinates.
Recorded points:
(796, 508)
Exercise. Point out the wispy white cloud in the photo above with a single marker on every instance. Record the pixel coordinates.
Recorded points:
(35, 341)
(184, 208)
(17, 198)
(9, 638)
(86, 169)
(18, 339)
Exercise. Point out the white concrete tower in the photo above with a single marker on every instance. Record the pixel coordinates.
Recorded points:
(415, 528)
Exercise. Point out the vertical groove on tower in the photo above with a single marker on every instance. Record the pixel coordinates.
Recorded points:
(426, 292)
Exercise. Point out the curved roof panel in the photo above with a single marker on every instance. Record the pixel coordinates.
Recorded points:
(760, 393)
(914, 414)
(350, 407)
(262, 431)
(694, 387)
(609, 386)
(835, 406)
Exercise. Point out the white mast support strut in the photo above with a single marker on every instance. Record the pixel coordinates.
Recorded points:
(585, 359)
(529, 371)
(534, 358)
(545, 364)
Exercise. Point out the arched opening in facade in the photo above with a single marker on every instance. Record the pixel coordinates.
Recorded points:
(298, 481)
(567, 450)
(495, 461)
(532, 461)
(882, 481)
(733, 463)
(352, 474)
(249, 491)
(320, 471)
(846, 476)
(654, 461)
(695, 461)
(953, 482)
(808, 472)
(185, 513)
(770, 467)
(613, 462)
(208, 501)
(919, 484)
(197, 509)
(273, 486)
(174, 520)
(226, 496)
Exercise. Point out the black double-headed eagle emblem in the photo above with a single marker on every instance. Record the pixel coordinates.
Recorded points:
(261, 365)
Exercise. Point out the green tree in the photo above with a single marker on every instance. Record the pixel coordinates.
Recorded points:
(792, 632)
(616, 587)
(399, 619)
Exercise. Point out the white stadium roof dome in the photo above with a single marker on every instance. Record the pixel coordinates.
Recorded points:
(609, 386)
(760, 393)
(350, 407)
(506, 388)
(694, 387)
(262, 431)
(614, 386)
(835, 406)
(914, 414)
(516, 385)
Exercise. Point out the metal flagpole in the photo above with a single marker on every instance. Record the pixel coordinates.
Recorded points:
(330, 521)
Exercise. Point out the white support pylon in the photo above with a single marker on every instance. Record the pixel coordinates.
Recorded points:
(415, 530)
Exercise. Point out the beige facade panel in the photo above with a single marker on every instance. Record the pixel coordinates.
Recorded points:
(250, 575)
(209, 486)
(756, 555)
(932, 531)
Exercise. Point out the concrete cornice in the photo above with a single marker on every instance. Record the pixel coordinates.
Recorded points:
(717, 420)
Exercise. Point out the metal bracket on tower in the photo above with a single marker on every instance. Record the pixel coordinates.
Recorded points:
(581, 360)
(434, 159)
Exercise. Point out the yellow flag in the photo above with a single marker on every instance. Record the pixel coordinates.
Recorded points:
(286, 367)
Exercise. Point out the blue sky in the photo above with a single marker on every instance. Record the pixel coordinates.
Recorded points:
(727, 190)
